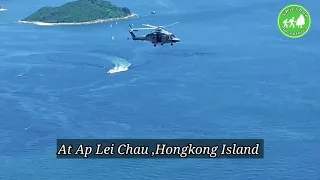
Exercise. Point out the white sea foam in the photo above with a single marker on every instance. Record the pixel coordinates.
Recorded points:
(82, 23)
(120, 65)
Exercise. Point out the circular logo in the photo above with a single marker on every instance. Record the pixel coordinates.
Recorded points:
(294, 21)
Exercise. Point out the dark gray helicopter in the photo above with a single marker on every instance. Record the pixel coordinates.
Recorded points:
(159, 36)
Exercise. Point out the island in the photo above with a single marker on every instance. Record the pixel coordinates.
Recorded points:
(79, 12)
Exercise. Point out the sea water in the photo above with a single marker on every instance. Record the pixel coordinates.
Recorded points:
(233, 75)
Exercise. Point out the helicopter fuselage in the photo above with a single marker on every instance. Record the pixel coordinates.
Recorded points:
(158, 37)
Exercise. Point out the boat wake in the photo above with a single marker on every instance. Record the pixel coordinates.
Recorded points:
(120, 65)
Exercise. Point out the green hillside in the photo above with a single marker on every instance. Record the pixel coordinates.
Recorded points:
(79, 11)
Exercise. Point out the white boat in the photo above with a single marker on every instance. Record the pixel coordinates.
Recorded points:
(2, 9)
(117, 69)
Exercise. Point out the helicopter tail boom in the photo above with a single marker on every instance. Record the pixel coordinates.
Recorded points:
(134, 37)
(132, 34)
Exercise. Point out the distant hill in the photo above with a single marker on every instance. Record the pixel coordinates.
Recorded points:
(78, 12)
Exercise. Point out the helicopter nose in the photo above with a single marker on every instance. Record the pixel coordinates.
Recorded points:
(175, 40)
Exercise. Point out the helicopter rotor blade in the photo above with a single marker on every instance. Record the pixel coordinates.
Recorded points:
(135, 29)
(157, 27)
(170, 25)
(148, 25)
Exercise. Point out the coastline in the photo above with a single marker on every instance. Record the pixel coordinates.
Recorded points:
(131, 16)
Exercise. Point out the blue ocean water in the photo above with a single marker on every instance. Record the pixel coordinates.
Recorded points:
(234, 75)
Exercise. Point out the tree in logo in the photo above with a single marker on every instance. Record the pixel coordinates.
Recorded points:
(300, 21)
(294, 21)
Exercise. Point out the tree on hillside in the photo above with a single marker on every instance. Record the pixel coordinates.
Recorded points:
(126, 10)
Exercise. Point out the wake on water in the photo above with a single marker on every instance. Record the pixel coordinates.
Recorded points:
(120, 65)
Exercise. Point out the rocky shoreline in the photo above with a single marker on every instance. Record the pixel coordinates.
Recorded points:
(131, 16)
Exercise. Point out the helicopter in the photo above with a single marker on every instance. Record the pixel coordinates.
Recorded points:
(159, 36)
